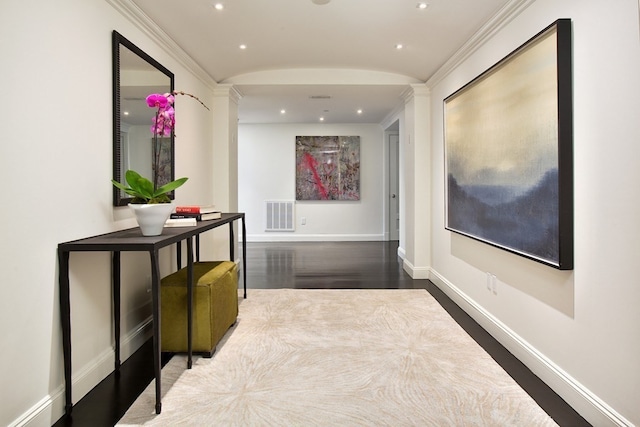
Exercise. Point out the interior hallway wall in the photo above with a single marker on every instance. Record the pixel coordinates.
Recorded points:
(56, 156)
(267, 173)
(577, 329)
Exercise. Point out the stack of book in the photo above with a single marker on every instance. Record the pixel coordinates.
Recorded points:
(200, 213)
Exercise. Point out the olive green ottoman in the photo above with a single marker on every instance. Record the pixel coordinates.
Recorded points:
(215, 306)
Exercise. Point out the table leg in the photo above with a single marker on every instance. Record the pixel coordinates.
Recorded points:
(157, 338)
(65, 316)
(231, 243)
(115, 280)
(189, 301)
(179, 255)
(244, 257)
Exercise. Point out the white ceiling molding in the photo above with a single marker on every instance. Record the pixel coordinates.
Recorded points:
(415, 90)
(223, 90)
(321, 76)
(136, 16)
(505, 15)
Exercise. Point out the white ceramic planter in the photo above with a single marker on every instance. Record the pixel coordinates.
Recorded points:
(151, 218)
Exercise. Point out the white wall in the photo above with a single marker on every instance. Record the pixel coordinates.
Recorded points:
(578, 330)
(56, 163)
(267, 172)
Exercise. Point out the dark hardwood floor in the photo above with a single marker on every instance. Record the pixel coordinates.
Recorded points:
(316, 265)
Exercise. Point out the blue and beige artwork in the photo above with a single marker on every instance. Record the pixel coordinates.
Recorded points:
(501, 143)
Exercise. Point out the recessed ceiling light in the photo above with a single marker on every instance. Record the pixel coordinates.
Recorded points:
(218, 6)
(243, 46)
(322, 119)
(399, 46)
(359, 111)
(283, 111)
(422, 5)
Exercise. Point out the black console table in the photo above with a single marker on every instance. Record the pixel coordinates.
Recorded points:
(133, 240)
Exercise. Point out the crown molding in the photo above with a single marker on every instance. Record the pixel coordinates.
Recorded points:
(137, 17)
(223, 90)
(505, 15)
(415, 90)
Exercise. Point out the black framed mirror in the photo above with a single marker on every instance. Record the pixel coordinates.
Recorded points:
(136, 75)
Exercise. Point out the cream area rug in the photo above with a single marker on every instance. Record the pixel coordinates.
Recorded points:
(340, 358)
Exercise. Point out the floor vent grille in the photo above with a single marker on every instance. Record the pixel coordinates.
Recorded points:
(280, 216)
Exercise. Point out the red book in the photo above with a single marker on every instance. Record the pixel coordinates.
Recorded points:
(195, 209)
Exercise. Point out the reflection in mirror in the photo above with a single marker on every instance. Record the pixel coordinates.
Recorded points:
(136, 75)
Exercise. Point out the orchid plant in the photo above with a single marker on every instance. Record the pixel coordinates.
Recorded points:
(143, 190)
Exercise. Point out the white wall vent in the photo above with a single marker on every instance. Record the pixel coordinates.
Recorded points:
(280, 216)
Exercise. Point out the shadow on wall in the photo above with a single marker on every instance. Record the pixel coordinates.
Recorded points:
(548, 285)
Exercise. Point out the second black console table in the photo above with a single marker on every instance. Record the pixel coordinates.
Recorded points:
(133, 240)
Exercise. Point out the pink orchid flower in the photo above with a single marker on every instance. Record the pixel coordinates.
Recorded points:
(170, 98)
(155, 100)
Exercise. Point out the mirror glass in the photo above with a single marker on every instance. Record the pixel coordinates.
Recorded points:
(136, 75)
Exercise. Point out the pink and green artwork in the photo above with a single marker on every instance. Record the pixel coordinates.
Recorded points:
(327, 168)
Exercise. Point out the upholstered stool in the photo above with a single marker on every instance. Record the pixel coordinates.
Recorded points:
(215, 306)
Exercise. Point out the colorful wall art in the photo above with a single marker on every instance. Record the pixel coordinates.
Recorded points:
(508, 145)
(327, 168)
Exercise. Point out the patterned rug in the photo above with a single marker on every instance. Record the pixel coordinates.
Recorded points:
(336, 358)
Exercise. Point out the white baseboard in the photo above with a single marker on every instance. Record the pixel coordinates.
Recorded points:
(49, 410)
(585, 402)
(416, 273)
(280, 237)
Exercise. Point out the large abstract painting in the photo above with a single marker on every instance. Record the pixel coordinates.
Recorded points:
(508, 145)
(327, 168)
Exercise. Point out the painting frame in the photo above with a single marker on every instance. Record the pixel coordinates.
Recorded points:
(508, 137)
(328, 168)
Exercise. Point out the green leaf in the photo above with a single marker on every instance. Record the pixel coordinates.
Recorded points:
(120, 186)
(170, 186)
(141, 185)
(142, 189)
(127, 190)
(131, 175)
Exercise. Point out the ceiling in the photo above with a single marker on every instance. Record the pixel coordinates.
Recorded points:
(316, 60)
